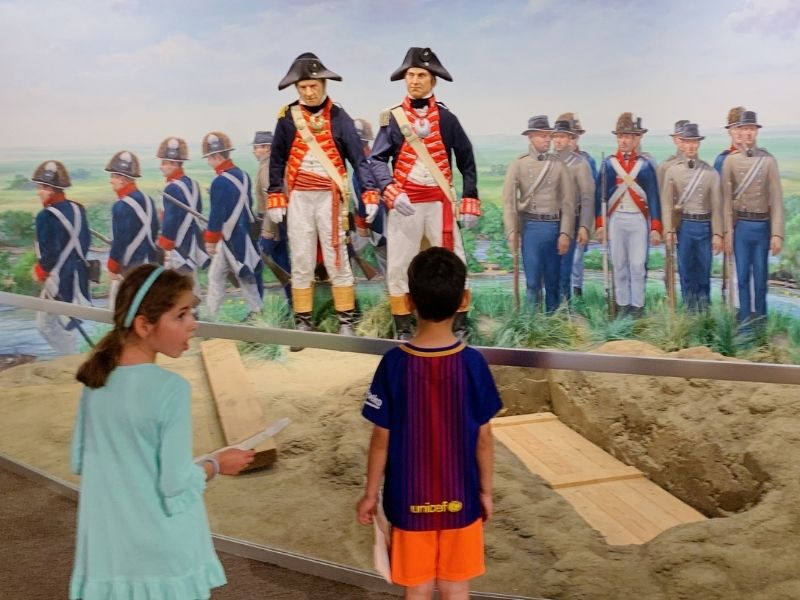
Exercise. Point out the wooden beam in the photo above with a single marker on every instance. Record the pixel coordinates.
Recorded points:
(240, 413)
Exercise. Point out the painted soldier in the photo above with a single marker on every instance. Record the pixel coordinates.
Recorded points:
(564, 135)
(692, 211)
(181, 236)
(420, 136)
(539, 209)
(734, 115)
(674, 158)
(134, 221)
(62, 234)
(633, 211)
(313, 138)
(274, 239)
(372, 233)
(753, 199)
(230, 222)
(577, 261)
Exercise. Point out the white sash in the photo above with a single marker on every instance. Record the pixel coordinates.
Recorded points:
(749, 178)
(320, 154)
(251, 256)
(53, 280)
(628, 181)
(196, 256)
(146, 217)
(689, 189)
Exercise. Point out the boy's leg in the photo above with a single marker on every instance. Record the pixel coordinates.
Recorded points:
(453, 590)
(423, 591)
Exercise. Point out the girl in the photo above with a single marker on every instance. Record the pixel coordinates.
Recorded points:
(142, 525)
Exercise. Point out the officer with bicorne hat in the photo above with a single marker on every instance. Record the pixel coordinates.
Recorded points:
(313, 139)
(181, 235)
(62, 246)
(420, 137)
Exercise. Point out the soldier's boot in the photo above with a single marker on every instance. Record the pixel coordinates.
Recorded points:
(460, 329)
(637, 312)
(302, 322)
(577, 291)
(347, 322)
(403, 329)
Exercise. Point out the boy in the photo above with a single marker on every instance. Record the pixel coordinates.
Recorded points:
(431, 400)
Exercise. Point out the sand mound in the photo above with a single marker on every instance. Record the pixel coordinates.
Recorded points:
(729, 449)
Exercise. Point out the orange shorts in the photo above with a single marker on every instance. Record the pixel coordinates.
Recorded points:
(449, 554)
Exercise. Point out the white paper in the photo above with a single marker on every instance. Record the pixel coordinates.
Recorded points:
(383, 540)
(254, 440)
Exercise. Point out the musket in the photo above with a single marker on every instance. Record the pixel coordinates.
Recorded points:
(280, 273)
(608, 282)
(515, 250)
(669, 261)
(369, 271)
(100, 236)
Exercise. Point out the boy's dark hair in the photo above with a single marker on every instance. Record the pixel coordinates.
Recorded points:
(436, 279)
(160, 298)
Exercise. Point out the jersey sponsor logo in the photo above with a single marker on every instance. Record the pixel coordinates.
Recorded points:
(372, 400)
(452, 506)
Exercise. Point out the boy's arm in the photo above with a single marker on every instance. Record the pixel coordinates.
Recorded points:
(376, 464)
(485, 456)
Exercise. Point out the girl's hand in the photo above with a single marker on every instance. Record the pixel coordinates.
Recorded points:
(233, 460)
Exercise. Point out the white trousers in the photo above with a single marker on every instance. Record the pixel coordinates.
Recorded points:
(628, 243)
(308, 220)
(53, 327)
(218, 277)
(405, 236)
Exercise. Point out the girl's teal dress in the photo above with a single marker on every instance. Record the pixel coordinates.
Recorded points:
(142, 526)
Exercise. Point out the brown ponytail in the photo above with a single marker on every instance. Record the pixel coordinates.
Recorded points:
(160, 298)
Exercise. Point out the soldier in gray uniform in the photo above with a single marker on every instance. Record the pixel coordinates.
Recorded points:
(674, 158)
(539, 209)
(753, 200)
(691, 206)
(564, 135)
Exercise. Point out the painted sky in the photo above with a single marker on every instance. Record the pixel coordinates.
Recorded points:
(122, 72)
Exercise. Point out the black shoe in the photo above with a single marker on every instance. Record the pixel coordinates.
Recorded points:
(347, 322)
(302, 322)
(403, 329)
(577, 291)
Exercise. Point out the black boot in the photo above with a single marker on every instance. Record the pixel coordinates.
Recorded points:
(577, 291)
(403, 329)
(347, 322)
(302, 322)
(460, 329)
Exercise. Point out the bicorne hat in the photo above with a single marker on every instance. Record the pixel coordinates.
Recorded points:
(421, 58)
(307, 66)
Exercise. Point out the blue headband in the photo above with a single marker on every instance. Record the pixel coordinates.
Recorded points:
(140, 294)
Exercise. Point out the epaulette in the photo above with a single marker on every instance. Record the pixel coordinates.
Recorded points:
(383, 119)
(282, 112)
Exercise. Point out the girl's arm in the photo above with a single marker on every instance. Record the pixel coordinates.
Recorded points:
(76, 448)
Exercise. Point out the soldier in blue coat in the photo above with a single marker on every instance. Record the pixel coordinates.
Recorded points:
(134, 221)
(181, 235)
(62, 234)
(373, 233)
(634, 213)
(228, 237)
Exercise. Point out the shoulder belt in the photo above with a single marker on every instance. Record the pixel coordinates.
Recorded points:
(413, 140)
(318, 152)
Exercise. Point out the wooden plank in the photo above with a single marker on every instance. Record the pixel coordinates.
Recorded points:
(240, 414)
(520, 419)
(615, 499)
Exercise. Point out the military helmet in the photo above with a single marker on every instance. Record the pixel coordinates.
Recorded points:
(421, 58)
(262, 138)
(307, 66)
(216, 142)
(364, 130)
(173, 148)
(734, 115)
(626, 124)
(52, 173)
(124, 163)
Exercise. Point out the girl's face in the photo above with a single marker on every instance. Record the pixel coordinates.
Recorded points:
(176, 327)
